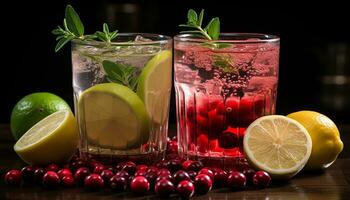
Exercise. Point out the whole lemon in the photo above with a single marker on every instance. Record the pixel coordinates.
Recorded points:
(326, 142)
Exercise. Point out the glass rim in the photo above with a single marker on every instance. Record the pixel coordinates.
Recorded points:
(250, 38)
(161, 39)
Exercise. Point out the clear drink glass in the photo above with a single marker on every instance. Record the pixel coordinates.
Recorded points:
(121, 96)
(221, 87)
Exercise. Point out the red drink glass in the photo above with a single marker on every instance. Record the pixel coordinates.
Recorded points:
(221, 87)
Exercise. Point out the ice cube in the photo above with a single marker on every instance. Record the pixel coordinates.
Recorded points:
(139, 38)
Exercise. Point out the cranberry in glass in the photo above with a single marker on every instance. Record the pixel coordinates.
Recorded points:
(203, 183)
(192, 174)
(67, 181)
(123, 174)
(38, 175)
(227, 139)
(28, 173)
(220, 178)
(185, 189)
(236, 180)
(172, 147)
(249, 173)
(98, 169)
(180, 176)
(139, 185)
(64, 172)
(129, 167)
(93, 182)
(164, 188)
(13, 177)
(118, 183)
(208, 172)
(52, 167)
(106, 175)
(261, 179)
(81, 174)
(51, 179)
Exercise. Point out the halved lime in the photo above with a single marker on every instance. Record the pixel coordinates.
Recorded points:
(113, 116)
(154, 86)
(52, 140)
(277, 144)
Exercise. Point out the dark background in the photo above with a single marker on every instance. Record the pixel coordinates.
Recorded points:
(315, 46)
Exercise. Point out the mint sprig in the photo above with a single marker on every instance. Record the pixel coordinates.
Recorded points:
(225, 62)
(121, 73)
(106, 36)
(194, 21)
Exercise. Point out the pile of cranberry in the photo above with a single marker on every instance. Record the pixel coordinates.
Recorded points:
(164, 178)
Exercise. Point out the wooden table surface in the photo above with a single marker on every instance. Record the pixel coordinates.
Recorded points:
(334, 183)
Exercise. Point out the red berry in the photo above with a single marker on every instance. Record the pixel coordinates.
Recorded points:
(220, 178)
(185, 189)
(172, 147)
(261, 179)
(67, 181)
(106, 175)
(93, 182)
(13, 177)
(119, 166)
(52, 167)
(192, 174)
(64, 172)
(208, 172)
(163, 172)
(165, 176)
(236, 180)
(51, 179)
(123, 174)
(98, 169)
(130, 167)
(195, 166)
(164, 188)
(139, 185)
(141, 167)
(81, 174)
(140, 173)
(174, 138)
(93, 164)
(152, 169)
(203, 183)
(151, 177)
(38, 175)
(118, 183)
(77, 164)
(216, 124)
(228, 139)
(249, 173)
(180, 176)
(174, 165)
(28, 173)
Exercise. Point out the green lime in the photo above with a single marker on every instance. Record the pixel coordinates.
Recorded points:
(154, 86)
(113, 116)
(33, 108)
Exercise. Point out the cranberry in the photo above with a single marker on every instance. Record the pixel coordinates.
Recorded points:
(118, 183)
(139, 185)
(174, 138)
(151, 177)
(28, 173)
(194, 166)
(220, 178)
(172, 156)
(67, 181)
(261, 179)
(165, 176)
(77, 164)
(51, 179)
(228, 139)
(52, 167)
(64, 172)
(192, 174)
(180, 176)
(123, 174)
(163, 172)
(106, 175)
(98, 169)
(172, 147)
(162, 164)
(80, 174)
(236, 180)
(130, 167)
(38, 175)
(141, 167)
(242, 163)
(164, 188)
(185, 189)
(152, 169)
(119, 166)
(13, 177)
(208, 172)
(93, 182)
(174, 165)
(140, 173)
(203, 183)
(109, 167)
(249, 173)
(93, 164)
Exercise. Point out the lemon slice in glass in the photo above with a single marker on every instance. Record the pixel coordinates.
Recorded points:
(54, 139)
(113, 116)
(154, 86)
(278, 145)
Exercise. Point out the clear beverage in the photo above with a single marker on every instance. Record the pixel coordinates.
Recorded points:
(220, 91)
(107, 131)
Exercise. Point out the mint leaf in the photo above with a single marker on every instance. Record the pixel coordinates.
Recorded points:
(121, 73)
(111, 68)
(213, 28)
(225, 62)
(192, 16)
(74, 23)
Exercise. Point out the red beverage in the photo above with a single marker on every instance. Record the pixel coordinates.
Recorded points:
(220, 91)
